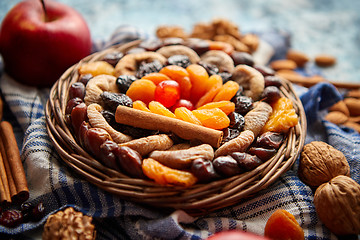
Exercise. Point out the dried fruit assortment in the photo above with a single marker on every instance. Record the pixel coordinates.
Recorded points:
(180, 111)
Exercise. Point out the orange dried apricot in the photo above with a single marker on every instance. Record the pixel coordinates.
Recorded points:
(212, 118)
(186, 115)
(227, 91)
(226, 106)
(156, 77)
(282, 225)
(140, 106)
(142, 90)
(215, 83)
(97, 68)
(164, 175)
(180, 75)
(158, 108)
(198, 77)
(282, 118)
(223, 46)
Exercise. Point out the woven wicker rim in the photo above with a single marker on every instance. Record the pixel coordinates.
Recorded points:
(198, 199)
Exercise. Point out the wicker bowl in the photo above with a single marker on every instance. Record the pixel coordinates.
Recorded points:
(197, 199)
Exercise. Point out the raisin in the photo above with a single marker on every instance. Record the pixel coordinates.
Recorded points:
(123, 82)
(11, 218)
(270, 140)
(229, 133)
(237, 121)
(113, 100)
(243, 104)
(242, 58)
(77, 89)
(270, 94)
(226, 166)
(210, 68)
(246, 161)
(113, 57)
(203, 170)
(263, 153)
(179, 60)
(145, 68)
(31, 212)
(225, 76)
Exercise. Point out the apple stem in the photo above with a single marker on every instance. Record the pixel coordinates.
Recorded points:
(44, 7)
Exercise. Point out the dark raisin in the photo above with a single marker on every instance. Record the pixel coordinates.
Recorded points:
(38, 212)
(198, 45)
(270, 140)
(243, 104)
(270, 94)
(203, 170)
(151, 44)
(272, 81)
(237, 121)
(113, 57)
(242, 58)
(246, 161)
(263, 153)
(226, 166)
(229, 133)
(210, 68)
(85, 78)
(109, 117)
(146, 68)
(135, 132)
(225, 76)
(123, 82)
(265, 71)
(11, 218)
(77, 89)
(113, 100)
(173, 41)
(179, 60)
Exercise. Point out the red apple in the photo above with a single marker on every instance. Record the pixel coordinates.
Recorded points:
(37, 47)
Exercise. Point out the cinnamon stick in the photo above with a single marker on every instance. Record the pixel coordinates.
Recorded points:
(10, 179)
(5, 197)
(152, 121)
(13, 158)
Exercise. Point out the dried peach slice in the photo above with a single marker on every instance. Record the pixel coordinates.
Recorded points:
(227, 91)
(156, 77)
(199, 78)
(140, 106)
(226, 106)
(215, 83)
(212, 118)
(186, 115)
(158, 108)
(142, 90)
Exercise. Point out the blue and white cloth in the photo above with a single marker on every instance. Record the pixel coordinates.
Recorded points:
(51, 182)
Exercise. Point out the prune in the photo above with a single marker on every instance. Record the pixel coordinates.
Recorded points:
(107, 154)
(243, 104)
(230, 133)
(11, 218)
(242, 58)
(94, 138)
(225, 76)
(113, 100)
(246, 161)
(226, 166)
(151, 44)
(210, 68)
(203, 170)
(85, 78)
(198, 45)
(31, 212)
(113, 57)
(237, 121)
(270, 94)
(272, 81)
(179, 60)
(265, 71)
(77, 89)
(146, 68)
(270, 140)
(72, 103)
(78, 115)
(263, 153)
(109, 117)
(130, 161)
(173, 41)
(123, 82)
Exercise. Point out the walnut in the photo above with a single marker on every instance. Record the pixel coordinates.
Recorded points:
(320, 162)
(170, 32)
(338, 205)
(68, 224)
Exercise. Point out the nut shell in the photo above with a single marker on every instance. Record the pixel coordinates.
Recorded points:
(320, 162)
(338, 205)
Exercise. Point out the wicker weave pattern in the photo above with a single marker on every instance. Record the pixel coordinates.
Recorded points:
(198, 199)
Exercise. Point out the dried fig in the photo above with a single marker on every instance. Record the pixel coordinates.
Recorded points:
(320, 162)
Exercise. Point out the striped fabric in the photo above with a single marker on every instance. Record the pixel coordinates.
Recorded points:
(51, 182)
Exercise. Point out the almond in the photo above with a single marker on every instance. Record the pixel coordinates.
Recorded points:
(341, 107)
(282, 64)
(336, 117)
(325, 60)
(298, 57)
(353, 125)
(353, 93)
(353, 105)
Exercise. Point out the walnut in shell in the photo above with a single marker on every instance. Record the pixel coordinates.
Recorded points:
(68, 224)
(338, 205)
(320, 162)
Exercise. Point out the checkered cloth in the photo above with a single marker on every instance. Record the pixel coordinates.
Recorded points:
(52, 183)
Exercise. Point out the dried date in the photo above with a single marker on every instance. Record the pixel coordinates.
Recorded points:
(203, 170)
(78, 115)
(129, 161)
(263, 153)
(226, 166)
(246, 161)
(270, 140)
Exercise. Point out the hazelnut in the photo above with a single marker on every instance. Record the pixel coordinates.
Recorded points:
(337, 204)
(320, 162)
(69, 224)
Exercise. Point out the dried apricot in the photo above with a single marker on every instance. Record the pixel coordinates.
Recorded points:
(219, 45)
(158, 108)
(156, 77)
(227, 91)
(282, 117)
(96, 68)
(140, 106)
(215, 83)
(226, 106)
(142, 90)
(198, 77)
(165, 175)
(212, 118)
(180, 75)
(283, 225)
(186, 115)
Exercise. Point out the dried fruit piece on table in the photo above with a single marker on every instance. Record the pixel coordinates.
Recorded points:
(238, 144)
(282, 225)
(227, 91)
(186, 115)
(246, 161)
(214, 84)
(140, 105)
(148, 144)
(256, 119)
(320, 162)
(96, 68)
(181, 76)
(221, 45)
(183, 103)
(226, 106)
(198, 77)
(158, 108)
(167, 176)
(337, 204)
(167, 93)
(182, 159)
(143, 90)
(156, 77)
(283, 116)
(212, 118)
